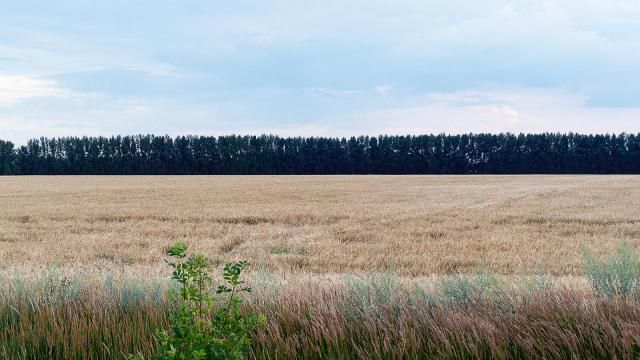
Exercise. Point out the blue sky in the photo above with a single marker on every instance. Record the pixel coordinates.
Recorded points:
(330, 68)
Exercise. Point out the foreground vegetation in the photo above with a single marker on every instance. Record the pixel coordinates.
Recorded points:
(373, 320)
(376, 317)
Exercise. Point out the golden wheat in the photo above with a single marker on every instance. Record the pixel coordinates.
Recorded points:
(414, 225)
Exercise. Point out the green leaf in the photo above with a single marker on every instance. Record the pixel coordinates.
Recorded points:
(179, 249)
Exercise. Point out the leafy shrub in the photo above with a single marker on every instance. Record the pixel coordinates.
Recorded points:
(420, 296)
(538, 282)
(462, 289)
(202, 329)
(616, 274)
(376, 288)
(459, 289)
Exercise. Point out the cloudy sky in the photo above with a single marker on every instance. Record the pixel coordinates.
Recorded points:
(330, 68)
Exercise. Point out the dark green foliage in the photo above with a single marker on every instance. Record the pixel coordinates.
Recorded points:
(202, 328)
(268, 154)
(7, 158)
(179, 250)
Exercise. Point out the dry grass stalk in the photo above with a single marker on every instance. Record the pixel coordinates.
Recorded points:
(415, 225)
(374, 319)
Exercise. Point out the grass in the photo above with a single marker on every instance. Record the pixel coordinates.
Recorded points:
(379, 316)
(376, 316)
(347, 267)
(415, 225)
(57, 319)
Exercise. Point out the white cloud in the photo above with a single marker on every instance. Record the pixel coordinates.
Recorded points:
(334, 92)
(16, 88)
(382, 89)
(101, 115)
(505, 110)
(512, 110)
(20, 129)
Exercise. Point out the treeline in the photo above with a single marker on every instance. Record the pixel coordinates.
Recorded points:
(7, 158)
(546, 153)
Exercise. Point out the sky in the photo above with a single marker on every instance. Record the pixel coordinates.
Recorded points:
(317, 68)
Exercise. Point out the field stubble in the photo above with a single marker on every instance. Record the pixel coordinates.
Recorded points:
(310, 225)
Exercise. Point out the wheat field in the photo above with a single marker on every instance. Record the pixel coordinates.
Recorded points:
(317, 225)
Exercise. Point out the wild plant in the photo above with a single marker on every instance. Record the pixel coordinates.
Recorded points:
(463, 289)
(458, 290)
(263, 280)
(55, 286)
(537, 282)
(205, 326)
(616, 274)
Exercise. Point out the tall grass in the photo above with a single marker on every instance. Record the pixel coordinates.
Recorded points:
(548, 325)
(57, 318)
(376, 317)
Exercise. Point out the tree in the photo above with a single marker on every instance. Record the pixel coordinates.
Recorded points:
(268, 154)
(7, 158)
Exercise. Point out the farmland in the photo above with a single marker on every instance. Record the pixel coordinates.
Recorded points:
(413, 225)
(382, 267)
